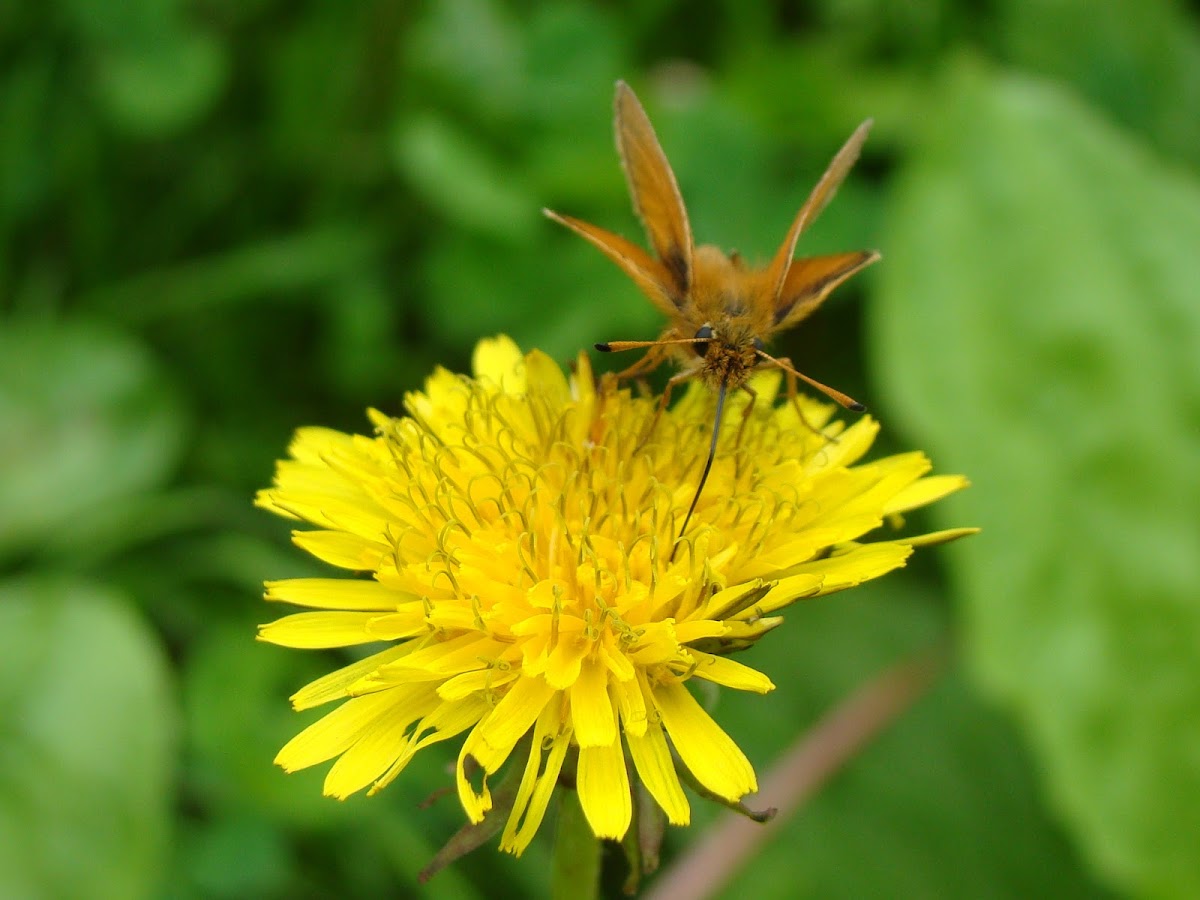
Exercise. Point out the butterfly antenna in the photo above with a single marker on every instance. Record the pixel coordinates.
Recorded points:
(712, 452)
(844, 400)
(622, 346)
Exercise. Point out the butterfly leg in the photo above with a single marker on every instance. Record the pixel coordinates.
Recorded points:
(794, 396)
(746, 413)
(652, 359)
(677, 378)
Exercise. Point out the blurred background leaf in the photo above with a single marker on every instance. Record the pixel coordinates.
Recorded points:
(88, 746)
(944, 804)
(220, 221)
(89, 422)
(1065, 381)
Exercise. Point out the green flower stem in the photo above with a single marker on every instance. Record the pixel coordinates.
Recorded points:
(576, 852)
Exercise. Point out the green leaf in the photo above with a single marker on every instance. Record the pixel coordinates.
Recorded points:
(87, 422)
(463, 181)
(157, 89)
(576, 871)
(236, 856)
(1037, 328)
(289, 266)
(941, 803)
(235, 701)
(24, 142)
(472, 49)
(87, 744)
(556, 308)
(1139, 60)
(137, 21)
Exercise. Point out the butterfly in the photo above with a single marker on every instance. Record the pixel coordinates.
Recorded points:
(721, 312)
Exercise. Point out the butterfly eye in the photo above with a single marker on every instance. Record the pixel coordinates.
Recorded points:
(758, 344)
(704, 333)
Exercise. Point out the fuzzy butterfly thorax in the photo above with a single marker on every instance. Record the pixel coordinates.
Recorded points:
(720, 305)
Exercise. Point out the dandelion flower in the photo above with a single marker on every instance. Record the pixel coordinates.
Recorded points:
(519, 530)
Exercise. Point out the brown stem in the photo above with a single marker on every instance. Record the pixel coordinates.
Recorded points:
(712, 861)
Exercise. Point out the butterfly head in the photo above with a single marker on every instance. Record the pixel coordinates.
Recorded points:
(726, 354)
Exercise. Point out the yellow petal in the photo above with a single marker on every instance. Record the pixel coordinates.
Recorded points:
(583, 382)
(708, 752)
(656, 644)
(376, 749)
(603, 786)
(591, 707)
(356, 514)
(443, 391)
(398, 625)
(336, 593)
(925, 491)
(735, 597)
(499, 360)
(312, 443)
(453, 618)
(474, 804)
(722, 670)
(849, 447)
(443, 659)
(565, 660)
(468, 683)
(862, 563)
(631, 704)
(652, 758)
(617, 663)
(335, 732)
(548, 376)
(513, 716)
(269, 499)
(766, 384)
(752, 629)
(338, 548)
(547, 725)
(788, 590)
(546, 784)
(537, 782)
(446, 721)
(314, 630)
(937, 537)
(698, 629)
(337, 683)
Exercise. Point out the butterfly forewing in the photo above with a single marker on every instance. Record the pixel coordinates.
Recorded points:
(648, 273)
(817, 200)
(656, 197)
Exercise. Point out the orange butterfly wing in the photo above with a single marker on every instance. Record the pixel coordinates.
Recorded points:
(809, 281)
(778, 271)
(656, 197)
(650, 275)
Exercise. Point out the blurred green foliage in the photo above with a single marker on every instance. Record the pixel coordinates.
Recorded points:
(220, 221)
